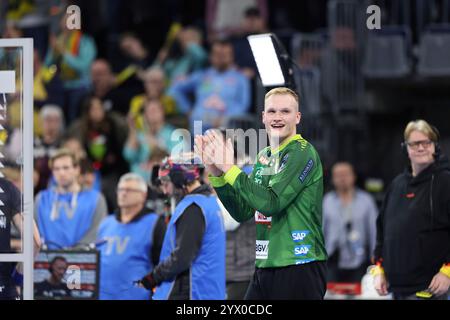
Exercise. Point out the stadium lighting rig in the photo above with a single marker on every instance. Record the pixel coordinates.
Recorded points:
(273, 63)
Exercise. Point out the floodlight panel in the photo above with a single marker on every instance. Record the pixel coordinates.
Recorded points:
(266, 60)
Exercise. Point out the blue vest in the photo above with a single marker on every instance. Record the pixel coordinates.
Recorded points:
(62, 221)
(125, 257)
(207, 272)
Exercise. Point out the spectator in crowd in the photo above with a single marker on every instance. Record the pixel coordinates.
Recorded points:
(240, 256)
(252, 23)
(184, 56)
(47, 85)
(349, 216)
(102, 135)
(90, 178)
(192, 262)
(54, 286)
(67, 215)
(52, 124)
(134, 237)
(33, 18)
(114, 91)
(223, 18)
(11, 30)
(133, 48)
(75, 145)
(72, 53)
(156, 134)
(413, 229)
(220, 91)
(103, 79)
(47, 90)
(155, 87)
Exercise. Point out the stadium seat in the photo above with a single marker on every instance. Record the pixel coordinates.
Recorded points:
(434, 52)
(308, 83)
(387, 53)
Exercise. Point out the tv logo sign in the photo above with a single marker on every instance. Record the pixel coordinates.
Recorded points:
(302, 250)
(299, 235)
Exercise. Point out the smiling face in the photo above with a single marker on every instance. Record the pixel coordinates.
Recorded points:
(281, 116)
(420, 148)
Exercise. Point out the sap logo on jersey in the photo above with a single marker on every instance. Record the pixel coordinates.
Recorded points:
(302, 250)
(262, 249)
(299, 235)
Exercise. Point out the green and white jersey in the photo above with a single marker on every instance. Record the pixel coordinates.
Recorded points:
(284, 194)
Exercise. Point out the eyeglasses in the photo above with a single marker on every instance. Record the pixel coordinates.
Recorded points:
(415, 144)
(128, 190)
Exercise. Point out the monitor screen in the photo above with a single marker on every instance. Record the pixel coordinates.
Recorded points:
(62, 274)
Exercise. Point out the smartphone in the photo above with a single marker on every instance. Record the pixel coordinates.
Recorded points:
(425, 294)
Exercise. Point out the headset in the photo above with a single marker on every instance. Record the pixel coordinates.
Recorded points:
(178, 178)
(180, 174)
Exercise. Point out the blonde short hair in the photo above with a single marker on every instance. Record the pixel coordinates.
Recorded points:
(422, 126)
(283, 91)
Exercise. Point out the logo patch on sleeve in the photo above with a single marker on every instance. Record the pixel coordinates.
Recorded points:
(283, 162)
(306, 170)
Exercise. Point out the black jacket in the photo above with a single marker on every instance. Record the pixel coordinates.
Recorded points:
(413, 227)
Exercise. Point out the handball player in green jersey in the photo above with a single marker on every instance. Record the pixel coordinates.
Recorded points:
(283, 194)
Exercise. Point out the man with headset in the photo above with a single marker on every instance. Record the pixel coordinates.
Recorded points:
(412, 250)
(54, 287)
(192, 261)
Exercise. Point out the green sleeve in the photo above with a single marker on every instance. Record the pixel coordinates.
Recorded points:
(301, 169)
(232, 201)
